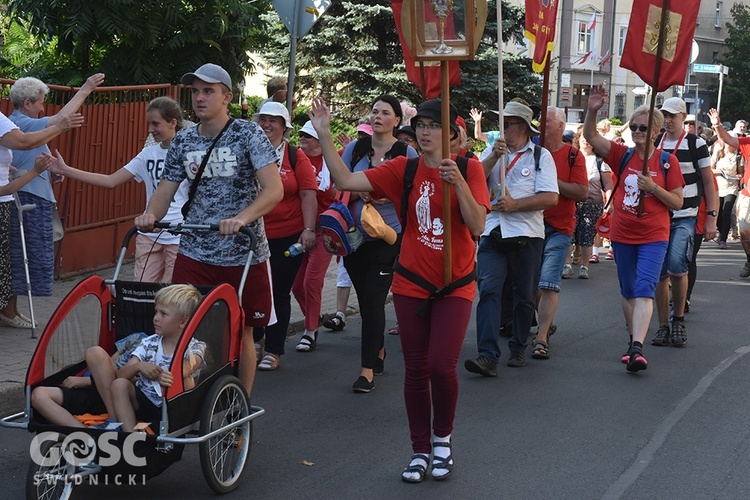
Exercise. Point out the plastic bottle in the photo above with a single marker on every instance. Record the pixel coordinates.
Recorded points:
(294, 250)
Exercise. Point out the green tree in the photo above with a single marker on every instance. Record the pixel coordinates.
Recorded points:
(735, 98)
(353, 54)
(137, 41)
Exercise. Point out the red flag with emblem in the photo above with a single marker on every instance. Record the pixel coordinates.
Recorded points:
(541, 20)
(639, 53)
(430, 85)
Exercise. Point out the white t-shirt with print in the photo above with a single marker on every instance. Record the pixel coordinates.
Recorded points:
(147, 167)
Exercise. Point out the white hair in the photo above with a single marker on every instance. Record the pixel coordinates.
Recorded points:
(27, 88)
(558, 113)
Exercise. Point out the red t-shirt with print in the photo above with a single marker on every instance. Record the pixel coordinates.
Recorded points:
(562, 216)
(286, 218)
(422, 243)
(653, 225)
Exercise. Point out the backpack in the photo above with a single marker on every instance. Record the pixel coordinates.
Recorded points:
(337, 228)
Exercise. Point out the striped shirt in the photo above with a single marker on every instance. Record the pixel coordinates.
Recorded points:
(691, 193)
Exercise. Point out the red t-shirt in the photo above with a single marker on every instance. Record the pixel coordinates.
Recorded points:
(422, 243)
(325, 197)
(653, 225)
(286, 218)
(745, 150)
(562, 216)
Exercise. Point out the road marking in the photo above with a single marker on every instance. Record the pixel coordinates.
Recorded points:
(646, 455)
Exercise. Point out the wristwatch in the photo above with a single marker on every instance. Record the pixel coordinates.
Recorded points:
(712, 213)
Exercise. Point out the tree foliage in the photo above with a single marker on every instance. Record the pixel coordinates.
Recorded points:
(353, 54)
(735, 98)
(136, 41)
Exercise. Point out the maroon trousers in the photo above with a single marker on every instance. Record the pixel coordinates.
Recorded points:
(431, 346)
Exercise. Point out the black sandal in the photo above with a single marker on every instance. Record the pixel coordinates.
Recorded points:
(307, 343)
(419, 469)
(540, 349)
(442, 463)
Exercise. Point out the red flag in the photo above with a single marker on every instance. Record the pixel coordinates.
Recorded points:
(639, 54)
(430, 87)
(585, 57)
(592, 22)
(541, 20)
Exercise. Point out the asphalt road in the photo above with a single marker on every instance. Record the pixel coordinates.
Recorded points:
(575, 426)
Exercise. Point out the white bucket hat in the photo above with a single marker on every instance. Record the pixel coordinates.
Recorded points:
(308, 129)
(521, 111)
(272, 108)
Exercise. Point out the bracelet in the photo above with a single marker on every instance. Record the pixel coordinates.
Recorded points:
(311, 229)
(653, 190)
(717, 125)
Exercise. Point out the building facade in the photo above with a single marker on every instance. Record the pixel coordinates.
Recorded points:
(590, 40)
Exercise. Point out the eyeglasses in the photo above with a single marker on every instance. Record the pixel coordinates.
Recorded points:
(510, 124)
(429, 126)
(639, 128)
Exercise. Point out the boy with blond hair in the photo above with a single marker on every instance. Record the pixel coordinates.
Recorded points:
(149, 363)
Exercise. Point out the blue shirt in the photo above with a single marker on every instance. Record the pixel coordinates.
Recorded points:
(24, 160)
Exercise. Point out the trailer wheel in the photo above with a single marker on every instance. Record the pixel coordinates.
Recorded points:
(49, 479)
(223, 457)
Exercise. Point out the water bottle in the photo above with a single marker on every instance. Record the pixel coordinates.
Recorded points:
(294, 250)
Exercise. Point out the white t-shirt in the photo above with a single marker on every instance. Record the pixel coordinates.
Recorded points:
(147, 167)
(6, 155)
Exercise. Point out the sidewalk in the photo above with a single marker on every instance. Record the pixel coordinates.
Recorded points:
(17, 346)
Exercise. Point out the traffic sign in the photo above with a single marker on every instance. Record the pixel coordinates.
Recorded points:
(707, 68)
(310, 11)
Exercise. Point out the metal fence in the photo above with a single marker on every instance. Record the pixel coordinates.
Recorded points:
(96, 219)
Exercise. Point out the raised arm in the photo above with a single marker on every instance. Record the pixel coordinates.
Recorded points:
(77, 101)
(498, 151)
(15, 139)
(476, 115)
(725, 137)
(41, 164)
(320, 116)
(107, 181)
(597, 99)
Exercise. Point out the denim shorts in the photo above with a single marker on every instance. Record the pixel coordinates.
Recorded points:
(680, 249)
(556, 246)
(638, 268)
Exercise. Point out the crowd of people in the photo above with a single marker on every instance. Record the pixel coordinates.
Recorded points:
(520, 217)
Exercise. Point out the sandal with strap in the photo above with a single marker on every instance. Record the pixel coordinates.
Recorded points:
(540, 349)
(335, 323)
(445, 464)
(270, 362)
(416, 468)
(307, 343)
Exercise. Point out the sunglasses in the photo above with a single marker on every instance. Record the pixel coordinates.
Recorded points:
(306, 136)
(510, 124)
(639, 128)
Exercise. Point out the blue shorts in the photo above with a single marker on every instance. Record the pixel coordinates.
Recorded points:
(638, 268)
(680, 250)
(556, 245)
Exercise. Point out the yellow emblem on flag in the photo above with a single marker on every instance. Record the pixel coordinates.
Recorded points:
(671, 32)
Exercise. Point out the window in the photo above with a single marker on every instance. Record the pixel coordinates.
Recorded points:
(623, 35)
(717, 24)
(620, 105)
(584, 38)
(639, 101)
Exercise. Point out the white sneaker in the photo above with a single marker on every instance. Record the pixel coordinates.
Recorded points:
(583, 273)
(567, 272)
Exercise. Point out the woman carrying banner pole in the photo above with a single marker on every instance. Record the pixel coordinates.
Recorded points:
(432, 318)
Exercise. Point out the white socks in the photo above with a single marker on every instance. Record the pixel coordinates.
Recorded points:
(419, 459)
